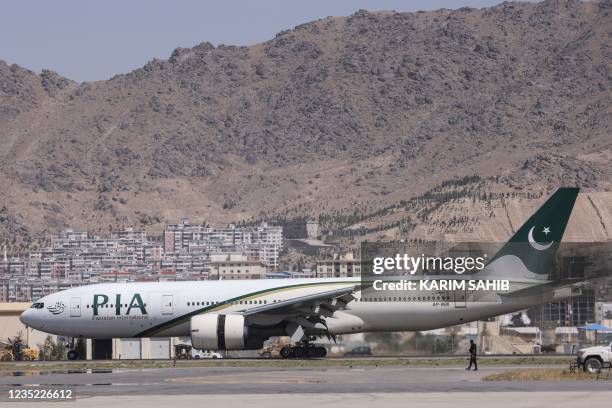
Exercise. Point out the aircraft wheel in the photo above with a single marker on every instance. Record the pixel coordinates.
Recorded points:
(321, 351)
(286, 352)
(72, 355)
(299, 352)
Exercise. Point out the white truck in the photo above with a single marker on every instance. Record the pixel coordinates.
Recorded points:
(201, 354)
(593, 359)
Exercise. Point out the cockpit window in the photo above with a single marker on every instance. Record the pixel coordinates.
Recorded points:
(38, 305)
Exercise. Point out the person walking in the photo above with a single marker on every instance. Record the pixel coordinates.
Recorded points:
(473, 353)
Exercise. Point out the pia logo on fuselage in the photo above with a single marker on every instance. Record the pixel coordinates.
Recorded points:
(57, 308)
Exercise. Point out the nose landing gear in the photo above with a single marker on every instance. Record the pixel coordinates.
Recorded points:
(76, 349)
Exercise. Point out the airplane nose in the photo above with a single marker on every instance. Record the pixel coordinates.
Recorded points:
(31, 319)
(26, 317)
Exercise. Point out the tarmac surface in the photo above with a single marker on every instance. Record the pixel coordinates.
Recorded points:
(272, 386)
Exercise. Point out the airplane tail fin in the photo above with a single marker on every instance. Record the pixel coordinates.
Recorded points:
(531, 251)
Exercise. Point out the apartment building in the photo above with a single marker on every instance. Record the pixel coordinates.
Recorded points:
(235, 266)
(183, 253)
(263, 241)
(339, 266)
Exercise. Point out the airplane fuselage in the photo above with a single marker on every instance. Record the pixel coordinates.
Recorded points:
(160, 309)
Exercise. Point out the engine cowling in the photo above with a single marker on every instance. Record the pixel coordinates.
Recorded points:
(214, 331)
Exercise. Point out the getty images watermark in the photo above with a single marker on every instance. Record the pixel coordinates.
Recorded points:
(406, 264)
(411, 271)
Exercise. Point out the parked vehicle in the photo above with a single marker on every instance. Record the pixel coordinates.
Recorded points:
(274, 348)
(15, 350)
(201, 354)
(593, 359)
(359, 351)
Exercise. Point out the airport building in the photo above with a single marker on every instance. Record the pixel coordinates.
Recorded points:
(580, 308)
(11, 326)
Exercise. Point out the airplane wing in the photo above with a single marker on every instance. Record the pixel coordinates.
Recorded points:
(306, 314)
(323, 303)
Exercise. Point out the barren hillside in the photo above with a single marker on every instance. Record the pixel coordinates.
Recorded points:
(344, 115)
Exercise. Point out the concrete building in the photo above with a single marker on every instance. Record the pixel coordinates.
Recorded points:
(235, 266)
(11, 326)
(339, 266)
(312, 229)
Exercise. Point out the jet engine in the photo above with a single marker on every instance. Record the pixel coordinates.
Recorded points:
(214, 331)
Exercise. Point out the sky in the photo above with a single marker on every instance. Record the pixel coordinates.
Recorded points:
(88, 41)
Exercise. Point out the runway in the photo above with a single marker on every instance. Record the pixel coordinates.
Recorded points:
(218, 385)
(562, 399)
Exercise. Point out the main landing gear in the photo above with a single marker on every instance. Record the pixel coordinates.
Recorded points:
(303, 350)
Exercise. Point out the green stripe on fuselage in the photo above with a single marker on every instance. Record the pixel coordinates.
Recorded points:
(223, 305)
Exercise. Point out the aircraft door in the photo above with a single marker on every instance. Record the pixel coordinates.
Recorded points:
(460, 298)
(167, 305)
(75, 307)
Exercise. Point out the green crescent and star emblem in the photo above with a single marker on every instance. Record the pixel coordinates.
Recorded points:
(536, 241)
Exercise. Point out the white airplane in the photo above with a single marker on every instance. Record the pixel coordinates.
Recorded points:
(242, 314)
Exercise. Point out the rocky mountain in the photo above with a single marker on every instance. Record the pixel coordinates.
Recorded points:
(344, 115)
